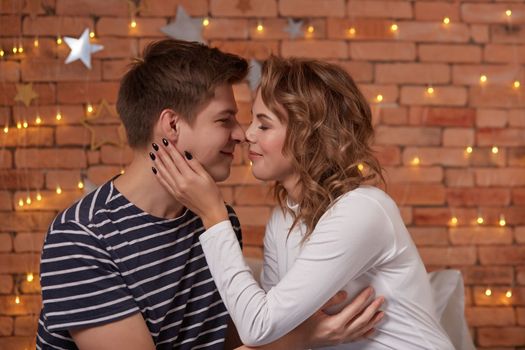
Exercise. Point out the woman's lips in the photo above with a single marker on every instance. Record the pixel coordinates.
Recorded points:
(254, 155)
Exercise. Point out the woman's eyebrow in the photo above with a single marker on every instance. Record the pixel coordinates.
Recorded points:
(263, 116)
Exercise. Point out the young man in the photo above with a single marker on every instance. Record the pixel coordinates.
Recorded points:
(123, 268)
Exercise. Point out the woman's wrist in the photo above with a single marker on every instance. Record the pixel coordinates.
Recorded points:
(212, 218)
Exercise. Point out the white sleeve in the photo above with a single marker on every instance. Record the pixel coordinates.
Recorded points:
(352, 237)
(270, 270)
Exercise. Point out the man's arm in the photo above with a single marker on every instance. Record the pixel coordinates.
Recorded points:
(355, 321)
(129, 333)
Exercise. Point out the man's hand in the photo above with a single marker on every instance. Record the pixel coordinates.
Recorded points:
(356, 320)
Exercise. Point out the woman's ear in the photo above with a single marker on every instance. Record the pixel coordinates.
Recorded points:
(169, 124)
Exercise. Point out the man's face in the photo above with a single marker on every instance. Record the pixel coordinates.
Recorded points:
(214, 134)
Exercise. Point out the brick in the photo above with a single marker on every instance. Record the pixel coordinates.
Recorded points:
(442, 116)
(114, 69)
(483, 156)
(255, 215)
(436, 11)
(223, 28)
(253, 252)
(518, 195)
(29, 304)
(10, 71)
(412, 73)
(520, 275)
(69, 93)
(253, 195)
(32, 136)
(259, 50)
(480, 235)
(167, 7)
(446, 95)
(417, 194)
(253, 235)
(441, 216)
(34, 221)
(485, 275)
(29, 242)
(394, 115)
(367, 29)
(314, 49)
(228, 8)
(312, 8)
(6, 284)
(381, 9)
(390, 135)
(413, 175)
(56, 25)
(494, 96)
(5, 200)
(17, 263)
(13, 179)
(496, 74)
(458, 137)
(387, 155)
(435, 156)
(450, 256)
(71, 114)
(113, 155)
(478, 196)
(433, 32)
(16, 342)
(479, 33)
(519, 233)
(32, 287)
(500, 177)
(517, 118)
(501, 137)
(50, 158)
(490, 316)
(521, 315)
(502, 255)
(491, 13)
(120, 27)
(10, 26)
(67, 179)
(73, 136)
(498, 336)
(26, 325)
(6, 326)
(449, 53)
(102, 173)
(46, 94)
(492, 118)
(359, 71)
(6, 159)
(6, 242)
(497, 53)
(429, 236)
(92, 7)
(116, 48)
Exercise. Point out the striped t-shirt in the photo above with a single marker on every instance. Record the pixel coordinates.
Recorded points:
(105, 259)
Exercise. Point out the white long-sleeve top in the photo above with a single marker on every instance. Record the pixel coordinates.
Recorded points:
(360, 241)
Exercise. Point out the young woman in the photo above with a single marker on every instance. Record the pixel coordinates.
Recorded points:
(332, 230)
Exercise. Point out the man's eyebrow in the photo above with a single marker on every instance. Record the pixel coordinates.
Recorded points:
(228, 111)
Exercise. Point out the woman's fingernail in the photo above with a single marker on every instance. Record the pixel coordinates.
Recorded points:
(165, 142)
(154, 170)
(155, 146)
(152, 156)
(188, 155)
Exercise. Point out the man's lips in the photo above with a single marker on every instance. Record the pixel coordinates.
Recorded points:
(227, 153)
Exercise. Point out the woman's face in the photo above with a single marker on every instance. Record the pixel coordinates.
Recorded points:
(265, 137)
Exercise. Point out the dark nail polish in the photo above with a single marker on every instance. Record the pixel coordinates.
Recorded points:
(165, 142)
(188, 155)
(154, 170)
(155, 146)
(152, 156)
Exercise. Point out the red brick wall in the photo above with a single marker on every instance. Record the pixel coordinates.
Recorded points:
(436, 128)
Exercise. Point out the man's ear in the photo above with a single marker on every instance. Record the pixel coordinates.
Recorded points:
(169, 124)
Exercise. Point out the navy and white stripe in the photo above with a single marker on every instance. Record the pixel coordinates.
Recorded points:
(104, 259)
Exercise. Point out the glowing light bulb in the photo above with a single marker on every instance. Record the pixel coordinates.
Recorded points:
(430, 90)
(133, 23)
(516, 84)
(122, 171)
(30, 277)
(352, 31)
(379, 98)
(508, 294)
(59, 40)
(502, 221)
(415, 161)
(495, 149)
(310, 29)
(91, 34)
(360, 166)
(469, 150)
(38, 120)
(260, 27)
(17, 300)
(58, 116)
(454, 221)
(6, 129)
(394, 27)
(80, 185)
(89, 108)
(24, 124)
(483, 78)
(58, 189)
(36, 43)
(15, 49)
(206, 22)
(20, 49)
(28, 200)
(446, 20)
(508, 13)
(480, 220)
(488, 292)
(19, 125)
(38, 196)
(2, 53)
(20, 202)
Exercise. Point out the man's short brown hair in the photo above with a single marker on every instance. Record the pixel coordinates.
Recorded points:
(173, 74)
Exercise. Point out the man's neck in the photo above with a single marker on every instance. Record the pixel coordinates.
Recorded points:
(141, 187)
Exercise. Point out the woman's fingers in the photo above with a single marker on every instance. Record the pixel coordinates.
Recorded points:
(366, 319)
(367, 329)
(357, 305)
(169, 153)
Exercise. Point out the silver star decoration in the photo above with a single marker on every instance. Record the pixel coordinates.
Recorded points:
(81, 48)
(184, 27)
(294, 28)
(254, 74)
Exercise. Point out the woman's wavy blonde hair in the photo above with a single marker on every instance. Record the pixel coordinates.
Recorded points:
(329, 132)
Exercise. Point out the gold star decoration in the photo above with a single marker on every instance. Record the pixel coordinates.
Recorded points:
(25, 93)
(244, 5)
(105, 127)
(33, 7)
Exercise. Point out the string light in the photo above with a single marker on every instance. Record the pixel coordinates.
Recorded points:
(469, 150)
(19, 125)
(379, 98)
(394, 28)
(17, 300)
(28, 200)
(15, 49)
(58, 116)
(2, 53)
(352, 31)
(508, 294)
(415, 161)
(38, 120)
(133, 23)
(59, 40)
(495, 149)
(38, 196)
(25, 125)
(20, 202)
(89, 108)
(488, 292)
(454, 221)
(58, 190)
(260, 27)
(430, 90)
(446, 20)
(6, 129)
(30, 277)
(206, 22)
(36, 43)
(508, 13)
(310, 29)
(122, 171)
(20, 49)
(516, 84)
(480, 220)
(483, 79)
(80, 184)
(92, 34)
(502, 221)
(360, 166)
